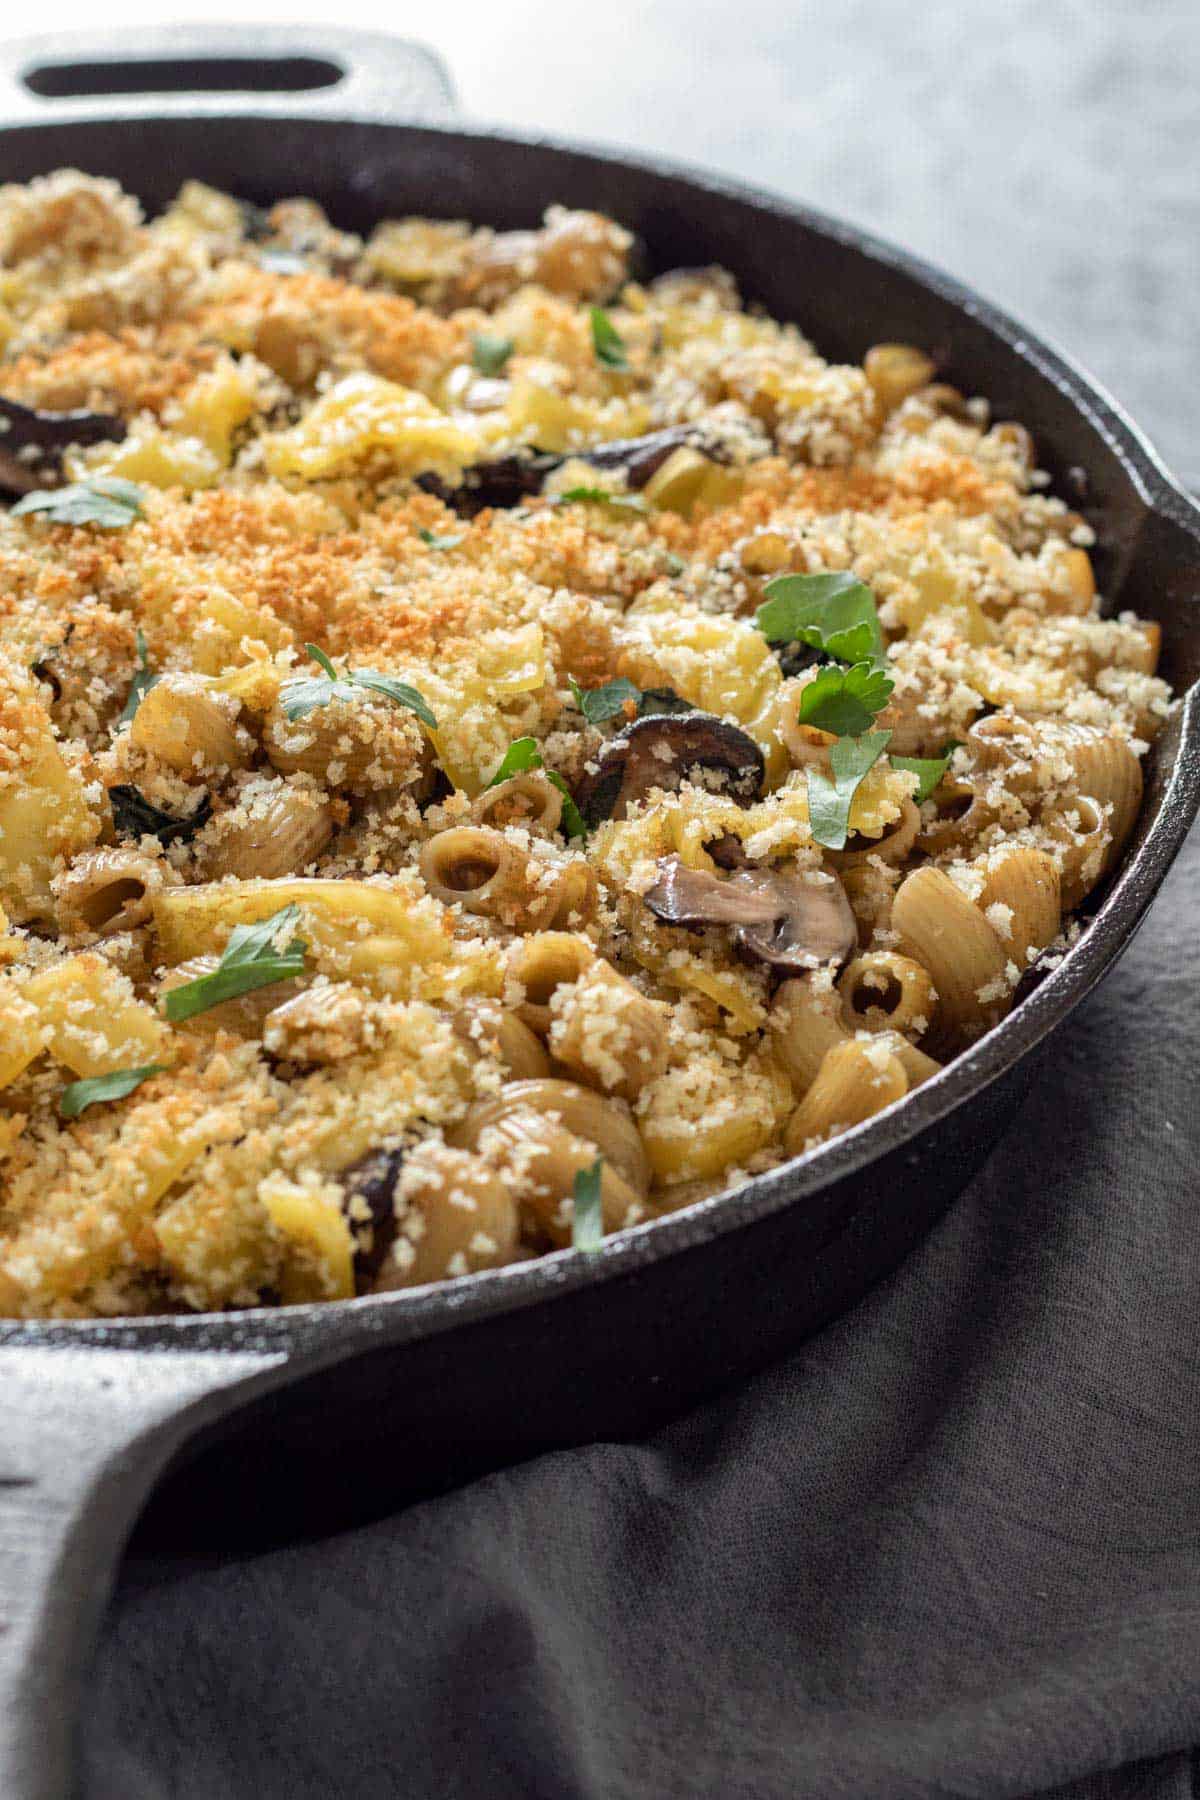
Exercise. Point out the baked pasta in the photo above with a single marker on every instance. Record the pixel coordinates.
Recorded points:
(493, 748)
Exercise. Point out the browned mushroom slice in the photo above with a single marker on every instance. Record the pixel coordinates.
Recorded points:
(32, 443)
(504, 482)
(727, 851)
(508, 480)
(778, 918)
(370, 1196)
(641, 457)
(663, 751)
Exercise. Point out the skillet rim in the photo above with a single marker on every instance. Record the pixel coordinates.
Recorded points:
(332, 1330)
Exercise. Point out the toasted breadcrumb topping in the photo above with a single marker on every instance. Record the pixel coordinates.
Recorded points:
(400, 505)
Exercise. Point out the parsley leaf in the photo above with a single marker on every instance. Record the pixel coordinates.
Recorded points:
(675, 563)
(303, 695)
(598, 496)
(829, 801)
(114, 1086)
(927, 769)
(844, 701)
(142, 681)
(451, 541)
(250, 961)
(832, 612)
(587, 1219)
(108, 501)
(607, 341)
(600, 704)
(489, 354)
(135, 817)
(524, 753)
(399, 691)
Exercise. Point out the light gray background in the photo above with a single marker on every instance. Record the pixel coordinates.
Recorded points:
(1046, 151)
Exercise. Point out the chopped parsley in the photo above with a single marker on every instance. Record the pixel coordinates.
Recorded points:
(587, 1218)
(303, 696)
(114, 1086)
(490, 353)
(835, 613)
(142, 681)
(450, 541)
(251, 960)
(844, 701)
(607, 341)
(598, 496)
(927, 769)
(525, 753)
(105, 500)
(600, 704)
(829, 801)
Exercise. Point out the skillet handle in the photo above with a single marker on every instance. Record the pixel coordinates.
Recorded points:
(85, 1435)
(161, 70)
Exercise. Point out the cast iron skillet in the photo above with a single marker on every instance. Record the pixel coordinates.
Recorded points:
(295, 1416)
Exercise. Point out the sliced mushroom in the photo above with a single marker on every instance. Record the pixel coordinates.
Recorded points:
(370, 1206)
(642, 457)
(32, 442)
(502, 483)
(662, 751)
(795, 658)
(727, 851)
(508, 480)
(778, 918)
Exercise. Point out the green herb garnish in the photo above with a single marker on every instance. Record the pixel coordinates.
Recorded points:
(927, 769)
(607, 341)
(832, 612)
(250, 961)
(525, 753)
(142, 681)
(303, 696)
(600, 704)
(105, 500)
(675, 564)
(81, 1094)
(135, 817)
(829, 801)
(598, 496)
(450, 541)
(489, 354)
(844, 701)
(587, 1218)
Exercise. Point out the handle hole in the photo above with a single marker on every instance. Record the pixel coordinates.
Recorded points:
(193, 75)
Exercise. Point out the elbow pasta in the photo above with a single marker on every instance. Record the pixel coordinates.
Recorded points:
(410, 841)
